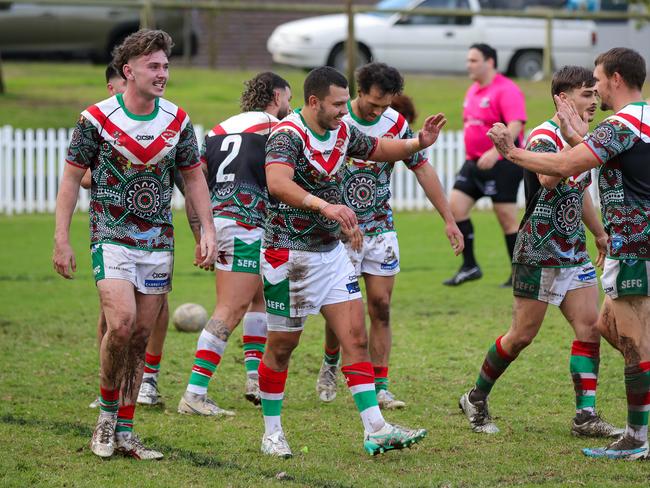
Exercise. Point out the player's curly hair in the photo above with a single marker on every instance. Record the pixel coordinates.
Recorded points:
(142, 42)
(386, 78)
(260, 91)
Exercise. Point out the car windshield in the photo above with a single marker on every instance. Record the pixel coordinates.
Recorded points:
(391, 5)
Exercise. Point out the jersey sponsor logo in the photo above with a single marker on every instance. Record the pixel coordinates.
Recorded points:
(617, 242)
(119, 137)
(159, 275)
(587, 274)
(275, 305)
(523, 286)
(353, 287)
(96, 270)
(144, 137)
(484, 102)
(167, 135)
(156, 283)
(390, 265)
(608, 289)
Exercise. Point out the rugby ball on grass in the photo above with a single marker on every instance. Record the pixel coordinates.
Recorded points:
(190, 317)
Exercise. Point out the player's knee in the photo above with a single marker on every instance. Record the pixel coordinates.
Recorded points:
(120, 331)
(379, 310)
(522, 340)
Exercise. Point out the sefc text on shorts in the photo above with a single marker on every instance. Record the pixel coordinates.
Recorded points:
(551, 285)
(500, 183)
(238, 246)
(150, 272)
(299, 283)
(626, 277)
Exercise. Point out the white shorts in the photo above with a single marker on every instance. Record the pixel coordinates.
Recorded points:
(379, 255)
(626, 277)
(299, 283)
(238, 246)
(149, 271)
(551, 285)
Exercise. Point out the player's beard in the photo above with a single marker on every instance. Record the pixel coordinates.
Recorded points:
(324, 121)
(283, 112)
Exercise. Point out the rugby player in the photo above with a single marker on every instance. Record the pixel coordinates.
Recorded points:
(620, 147)
(233, 161)
(149, 393)
(551, 266)
(131, 141)
(366, 190)
(305, 267)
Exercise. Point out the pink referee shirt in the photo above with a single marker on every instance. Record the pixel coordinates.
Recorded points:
(500, 101)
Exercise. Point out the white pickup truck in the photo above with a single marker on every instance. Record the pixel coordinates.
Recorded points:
(416, 42)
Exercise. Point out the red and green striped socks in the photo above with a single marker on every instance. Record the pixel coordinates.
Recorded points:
(254, 341)
(332, 356)
(495, 363)
(361, 382)
(124, 427)
(585, 359)
(151, 366)
(637, 387)
(381, 377)
(208, 355)
(272, 394)
(108, 401)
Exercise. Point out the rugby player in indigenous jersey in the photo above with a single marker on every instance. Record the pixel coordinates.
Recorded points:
(148, 394)
(131, 142)
(366, 190)
(551, 266)
(620, 147)
(233, 161)
(305, 266)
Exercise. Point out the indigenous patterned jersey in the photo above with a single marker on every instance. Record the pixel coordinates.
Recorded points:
(551, 233)
(622, 144)
(234, 154)
(366, 186)
(132, 158)
(317, 161)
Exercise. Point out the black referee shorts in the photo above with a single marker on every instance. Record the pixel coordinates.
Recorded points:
(500, 183)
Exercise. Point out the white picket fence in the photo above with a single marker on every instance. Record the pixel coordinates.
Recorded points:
(32, 162)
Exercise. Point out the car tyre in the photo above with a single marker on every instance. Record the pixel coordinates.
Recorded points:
(338, 59)
(528, 65)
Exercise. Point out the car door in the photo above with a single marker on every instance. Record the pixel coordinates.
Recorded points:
(418, 42)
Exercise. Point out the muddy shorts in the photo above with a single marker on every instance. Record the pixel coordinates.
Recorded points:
(626, 277)
(299, 283)
(149, 271)
(550, 285)
(238, 246)
(379, 255)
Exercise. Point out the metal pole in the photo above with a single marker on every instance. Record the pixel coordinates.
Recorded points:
(548, 49)
(212, 41)
(147, 20)
(351, 48)
(187, 37)
(2, 80)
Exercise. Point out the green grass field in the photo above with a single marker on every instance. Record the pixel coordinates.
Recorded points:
(53, 95)
(48, 364)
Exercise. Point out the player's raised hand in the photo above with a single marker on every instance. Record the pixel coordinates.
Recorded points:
(63, 259)
(572, 124)
(342, 214)
(455, 237)
(501, 138)
(431, 130)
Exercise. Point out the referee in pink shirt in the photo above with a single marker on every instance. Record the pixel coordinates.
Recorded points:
(491, 98)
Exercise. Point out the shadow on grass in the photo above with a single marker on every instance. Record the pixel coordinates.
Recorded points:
(195, 458)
